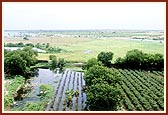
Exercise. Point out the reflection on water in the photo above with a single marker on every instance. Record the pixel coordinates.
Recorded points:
(61, 82)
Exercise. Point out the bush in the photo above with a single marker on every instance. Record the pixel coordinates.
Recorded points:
(8, 101)
(60, 63)
(120, 61)
(29, 44)
(105, 58)
(54, 50)
(52, 57)
(90, 63)
(46, 91)
(54, 63)
(34, 106)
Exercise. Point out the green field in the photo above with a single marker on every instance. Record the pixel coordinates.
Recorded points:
(82, 49)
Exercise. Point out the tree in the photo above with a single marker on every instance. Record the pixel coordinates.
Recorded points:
(53, 63)
(99, 74)
(102, 96)
(105, 58)
(15, 65)
(120, 62)
(137, 59)
(60, 63)
(158, 61)
(90, 63)
(18, 62)
(101, 88)
(134, 58)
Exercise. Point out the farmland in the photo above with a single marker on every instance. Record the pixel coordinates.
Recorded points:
(80, 50)
(141, 89)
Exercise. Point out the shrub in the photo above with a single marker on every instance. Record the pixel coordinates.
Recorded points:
(8, 101)
(46, 91)
(29, 44)
(105, 58)
(34, 106)
(52, 57)
(53, 63)
(60, 63)
(90, 63)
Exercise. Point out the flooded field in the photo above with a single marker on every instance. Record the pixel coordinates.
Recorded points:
(62, 82)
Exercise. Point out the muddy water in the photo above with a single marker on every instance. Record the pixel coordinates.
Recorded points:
(61, 82)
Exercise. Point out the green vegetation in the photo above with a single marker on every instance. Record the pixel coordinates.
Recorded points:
(46, 91)
(77, 48)
(105, 58)
(69, 96)
(49, 49)
(110, 85)
(141, 90)
(137, 59)
(90, 63)
(40, 65)
(60, 63)
(20, 44)
(12, 86)
(8, 101)
(101, 90)
(34, 106)
(80, 51)
(18, 62)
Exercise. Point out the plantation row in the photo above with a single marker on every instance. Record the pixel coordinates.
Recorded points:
(69, 82)
(142, 90)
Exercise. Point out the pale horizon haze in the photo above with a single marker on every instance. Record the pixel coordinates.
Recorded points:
(81, 16)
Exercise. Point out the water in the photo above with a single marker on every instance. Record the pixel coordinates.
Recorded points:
(44, 76)
(66, 80)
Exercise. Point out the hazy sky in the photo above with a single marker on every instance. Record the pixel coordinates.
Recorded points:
(45, 16)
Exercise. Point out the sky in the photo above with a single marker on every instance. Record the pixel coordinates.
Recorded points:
(74, 16)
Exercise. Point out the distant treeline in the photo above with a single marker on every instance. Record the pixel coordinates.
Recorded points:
(43, 46)
(18, 44)
(136, 59)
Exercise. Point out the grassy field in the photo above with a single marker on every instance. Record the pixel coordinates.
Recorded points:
(82, 49)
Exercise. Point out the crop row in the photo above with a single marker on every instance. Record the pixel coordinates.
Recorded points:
(69, 82)
(144, 93)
